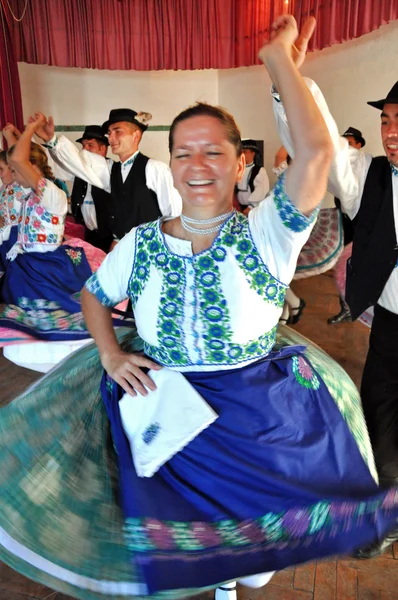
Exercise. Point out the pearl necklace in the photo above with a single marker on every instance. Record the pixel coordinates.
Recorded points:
(187, 221)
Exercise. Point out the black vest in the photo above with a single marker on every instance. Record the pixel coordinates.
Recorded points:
(375, 249)
(102, 203)
(254, 172)
(133, 203)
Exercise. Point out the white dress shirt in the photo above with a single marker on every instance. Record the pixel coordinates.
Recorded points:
(347, 177)
(96, 170)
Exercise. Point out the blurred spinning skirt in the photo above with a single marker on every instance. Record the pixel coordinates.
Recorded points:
(324, 246)
(284, 475)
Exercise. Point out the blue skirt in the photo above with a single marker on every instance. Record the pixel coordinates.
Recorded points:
(277, 480)
(5, 247)
(39, 294)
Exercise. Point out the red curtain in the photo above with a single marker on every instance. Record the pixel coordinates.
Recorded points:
(142, 35)
(176, 34)
(342, 20)
(10, 89)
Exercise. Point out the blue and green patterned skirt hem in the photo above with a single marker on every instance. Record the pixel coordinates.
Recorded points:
(61, 519)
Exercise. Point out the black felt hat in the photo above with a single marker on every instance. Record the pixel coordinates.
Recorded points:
(355, 133)
(128, 115)
(94, 132)
(249, 144)
(392, 98)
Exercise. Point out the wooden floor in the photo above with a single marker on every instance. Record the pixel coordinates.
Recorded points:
(342, 579)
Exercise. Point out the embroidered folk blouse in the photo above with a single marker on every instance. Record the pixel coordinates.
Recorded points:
(218, 309)
(10, 205)
(41, 220)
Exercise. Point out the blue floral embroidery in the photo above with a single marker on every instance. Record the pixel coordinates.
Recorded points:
(93, 285)
(211, 320)
(150, 433)
(170, 315)
(290, 216)
(257, 274)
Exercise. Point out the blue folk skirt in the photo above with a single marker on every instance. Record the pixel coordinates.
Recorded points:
(5, 247)
(276, 480)
(38, 293)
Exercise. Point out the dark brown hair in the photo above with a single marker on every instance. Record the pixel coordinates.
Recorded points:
(232, 132)
(3, 156)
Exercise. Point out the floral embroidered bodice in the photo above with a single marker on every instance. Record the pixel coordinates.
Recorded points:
(38, 228)
(10, 204)
(201, 317)
(218, 309)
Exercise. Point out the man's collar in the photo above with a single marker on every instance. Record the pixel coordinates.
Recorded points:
(394, 170)
(130, 160)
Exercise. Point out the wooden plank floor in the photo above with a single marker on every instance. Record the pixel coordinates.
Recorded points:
(342, 579)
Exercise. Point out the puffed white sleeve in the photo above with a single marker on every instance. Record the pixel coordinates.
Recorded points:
(349, 167)
(51, 197)
(109, 284)
(279, 231)
(160, 181)
(90, 167)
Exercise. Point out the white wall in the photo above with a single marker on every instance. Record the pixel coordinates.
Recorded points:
(85, 96)
(349, 75)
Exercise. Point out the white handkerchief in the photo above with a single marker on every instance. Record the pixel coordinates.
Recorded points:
(162, 423)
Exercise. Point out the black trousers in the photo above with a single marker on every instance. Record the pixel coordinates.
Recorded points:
(379, 392)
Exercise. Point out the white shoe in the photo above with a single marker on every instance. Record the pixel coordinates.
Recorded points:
(226, 592)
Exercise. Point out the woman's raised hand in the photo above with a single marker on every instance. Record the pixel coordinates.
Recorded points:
(284, 33)
(126, 369)
(11, 133)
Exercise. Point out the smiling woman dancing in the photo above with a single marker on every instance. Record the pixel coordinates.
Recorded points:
(283, 475)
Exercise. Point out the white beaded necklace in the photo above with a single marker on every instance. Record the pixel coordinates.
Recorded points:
(187, 221)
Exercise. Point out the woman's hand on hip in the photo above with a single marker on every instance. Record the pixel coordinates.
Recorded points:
(127, 370)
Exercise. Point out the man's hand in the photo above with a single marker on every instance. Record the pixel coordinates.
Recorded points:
(43, 127)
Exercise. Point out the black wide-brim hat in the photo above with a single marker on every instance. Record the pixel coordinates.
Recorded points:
(392, 98)
(249, 144)
(355, 133)
(117, 115)
(94, 132)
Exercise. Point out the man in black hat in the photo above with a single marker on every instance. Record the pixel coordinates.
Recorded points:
(90, 204)
(141, 188)
(368, 190)
(254, 185)
(355, 140)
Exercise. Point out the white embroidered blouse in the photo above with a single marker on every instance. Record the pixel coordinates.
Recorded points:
(41, 220)
(218, 309)
(10, 206)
